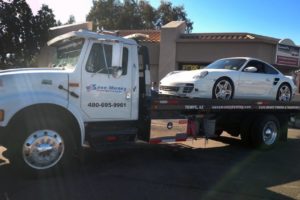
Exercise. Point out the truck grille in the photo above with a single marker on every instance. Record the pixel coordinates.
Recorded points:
(188, 88)
(169, 88)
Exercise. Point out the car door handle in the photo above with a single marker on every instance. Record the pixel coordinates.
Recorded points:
(267, 79)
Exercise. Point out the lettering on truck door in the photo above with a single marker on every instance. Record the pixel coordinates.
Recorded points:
(104, 95)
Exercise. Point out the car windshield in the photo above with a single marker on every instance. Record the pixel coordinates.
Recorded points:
(231, 64)
(67, 54)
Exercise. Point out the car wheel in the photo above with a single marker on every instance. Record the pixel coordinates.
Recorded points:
(223, 89)
(284, 93)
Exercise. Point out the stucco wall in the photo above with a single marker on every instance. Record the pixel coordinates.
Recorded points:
(169, 34)
(207, 52)
(154, 51)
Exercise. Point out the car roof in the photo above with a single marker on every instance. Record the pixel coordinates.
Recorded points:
(247, 58)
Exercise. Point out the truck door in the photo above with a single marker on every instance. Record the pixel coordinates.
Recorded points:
(106, 86)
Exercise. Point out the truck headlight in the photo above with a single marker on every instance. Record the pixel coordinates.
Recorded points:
(201, 75)
(1, 115)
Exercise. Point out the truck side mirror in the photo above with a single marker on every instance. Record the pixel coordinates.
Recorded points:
(117, 60)
(117, 55)
(116, 72)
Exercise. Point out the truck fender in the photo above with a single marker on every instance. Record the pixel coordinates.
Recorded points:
(16, 105)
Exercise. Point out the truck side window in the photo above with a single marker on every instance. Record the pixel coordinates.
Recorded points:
(125, 60)
(100, 59)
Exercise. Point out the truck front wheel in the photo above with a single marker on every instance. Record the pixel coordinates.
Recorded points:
(265, 132)
(41, 145)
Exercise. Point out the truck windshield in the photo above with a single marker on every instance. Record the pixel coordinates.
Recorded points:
(67, 54)
(231, 64)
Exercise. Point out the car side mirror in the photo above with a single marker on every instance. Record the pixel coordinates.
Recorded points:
(250, 69)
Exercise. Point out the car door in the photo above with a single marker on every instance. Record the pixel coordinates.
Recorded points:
(255, 84)
(103, 95)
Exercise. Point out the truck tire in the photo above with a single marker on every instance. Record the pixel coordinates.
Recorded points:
(42, 146)
(265, 132)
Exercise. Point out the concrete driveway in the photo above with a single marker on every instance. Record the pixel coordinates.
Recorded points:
(201, 169)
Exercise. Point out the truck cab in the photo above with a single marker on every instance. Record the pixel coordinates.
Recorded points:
(95, 90)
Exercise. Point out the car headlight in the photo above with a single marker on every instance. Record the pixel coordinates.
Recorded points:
(201, 75)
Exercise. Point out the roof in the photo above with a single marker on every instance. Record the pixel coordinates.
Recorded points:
(174, 24)
(86, 24)
(218, 37)
(154, 35)
(90, 35)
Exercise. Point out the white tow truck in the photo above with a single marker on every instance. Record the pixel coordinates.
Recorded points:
(98, 90)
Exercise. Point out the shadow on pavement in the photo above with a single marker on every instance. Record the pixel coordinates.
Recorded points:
(170, 171)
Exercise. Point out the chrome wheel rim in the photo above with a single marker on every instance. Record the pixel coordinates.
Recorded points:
(43, 149)
(284, 93)
(270, 133)
(223, 90)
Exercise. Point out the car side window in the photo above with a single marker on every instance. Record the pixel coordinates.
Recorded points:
(270, 70)
(259, 65)
(100, 58)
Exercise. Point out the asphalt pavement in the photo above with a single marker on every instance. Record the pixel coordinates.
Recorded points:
(213, 169)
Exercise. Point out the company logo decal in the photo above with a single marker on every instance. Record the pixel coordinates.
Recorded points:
(100, 88)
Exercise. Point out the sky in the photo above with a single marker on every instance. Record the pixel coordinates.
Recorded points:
(273, 18)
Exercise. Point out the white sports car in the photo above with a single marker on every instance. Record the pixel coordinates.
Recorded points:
(238, 78)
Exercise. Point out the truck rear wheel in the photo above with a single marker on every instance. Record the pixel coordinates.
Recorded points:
(265, 132)
(41, 145)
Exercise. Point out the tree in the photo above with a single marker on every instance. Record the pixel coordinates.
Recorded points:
(104, 13)
(58, 23)
(112, 14)
(16, 35)
(167, 13)
(44, 20)
(130, 17)
(148, 14)
(71, 19)
(21, 33)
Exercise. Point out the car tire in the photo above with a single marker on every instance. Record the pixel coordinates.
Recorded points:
(265, 132)
(284, 93)
(42, 146)
(223, 89)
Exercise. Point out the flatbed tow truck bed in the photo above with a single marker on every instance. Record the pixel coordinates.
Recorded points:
(260, 123)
